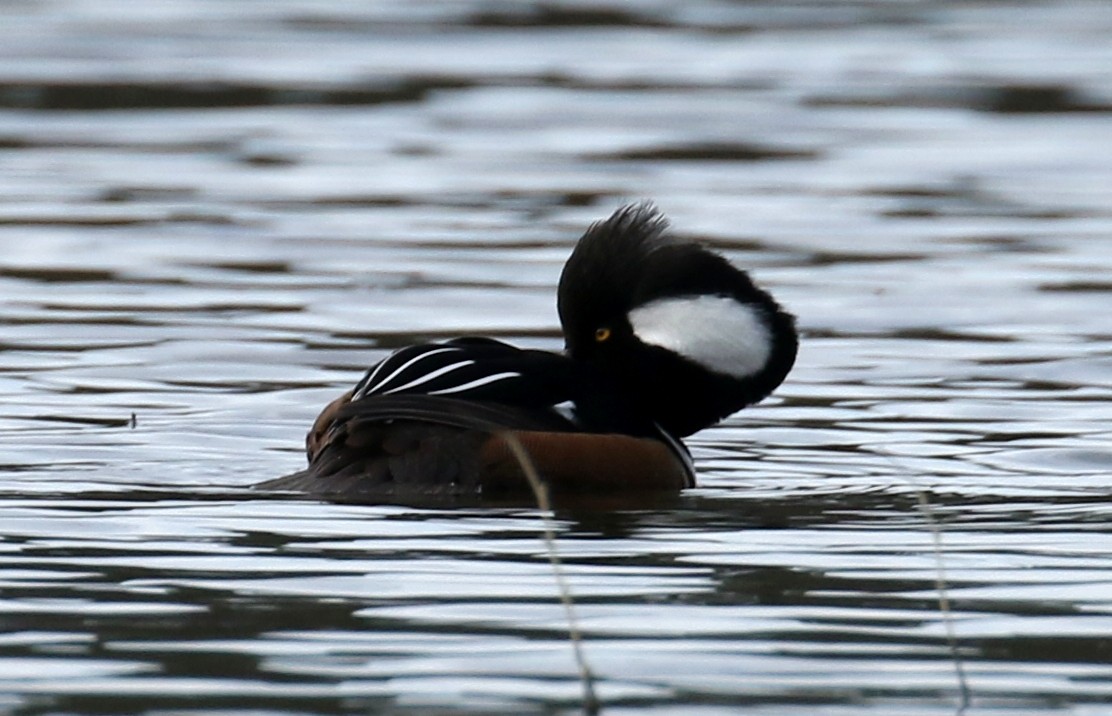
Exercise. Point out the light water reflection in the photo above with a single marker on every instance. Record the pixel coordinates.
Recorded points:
(214, 216)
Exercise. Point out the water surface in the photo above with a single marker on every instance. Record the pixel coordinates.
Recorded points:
(215, 215)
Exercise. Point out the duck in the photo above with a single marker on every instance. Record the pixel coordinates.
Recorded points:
(663, 337)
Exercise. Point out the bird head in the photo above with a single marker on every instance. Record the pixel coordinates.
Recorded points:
(680, 332)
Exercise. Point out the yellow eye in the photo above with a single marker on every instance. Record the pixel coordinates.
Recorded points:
(602, 334)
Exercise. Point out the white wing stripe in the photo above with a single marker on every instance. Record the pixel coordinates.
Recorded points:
(386, 381)
(477, 383)
(429, 376)
(370, 378)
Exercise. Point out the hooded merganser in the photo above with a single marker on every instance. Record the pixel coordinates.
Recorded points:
(663, 338)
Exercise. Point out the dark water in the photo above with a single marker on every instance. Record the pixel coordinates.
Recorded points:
(214, 215)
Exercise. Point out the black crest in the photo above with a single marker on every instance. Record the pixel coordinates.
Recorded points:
(630, 260)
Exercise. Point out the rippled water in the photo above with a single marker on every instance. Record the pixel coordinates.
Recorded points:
(214, 215)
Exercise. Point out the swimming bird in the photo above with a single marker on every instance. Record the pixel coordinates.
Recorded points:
(663, 337)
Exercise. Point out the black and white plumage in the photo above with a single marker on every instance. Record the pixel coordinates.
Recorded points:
(663, 338)
(690, 339)
(469, 369)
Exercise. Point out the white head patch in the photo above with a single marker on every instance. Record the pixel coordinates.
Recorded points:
(717, 332)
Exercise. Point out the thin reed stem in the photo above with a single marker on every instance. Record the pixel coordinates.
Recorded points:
(965, 696)
(591, 704)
